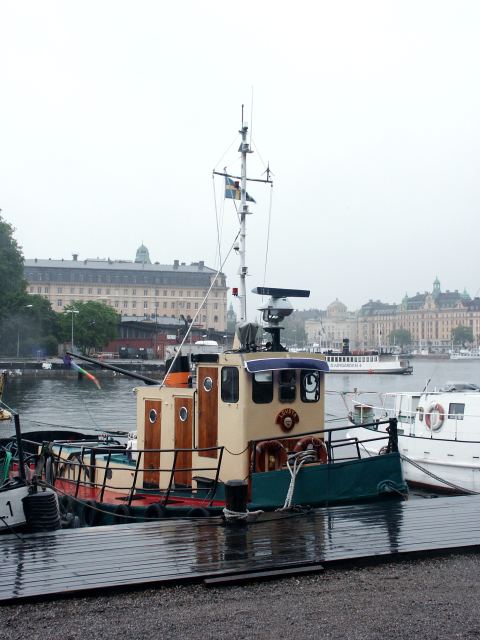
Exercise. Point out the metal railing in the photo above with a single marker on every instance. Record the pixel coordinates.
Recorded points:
(82, 473)
(327, 436)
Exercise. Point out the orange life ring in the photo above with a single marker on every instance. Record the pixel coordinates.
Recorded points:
(311, 442)
(270, 455)
(435, 416)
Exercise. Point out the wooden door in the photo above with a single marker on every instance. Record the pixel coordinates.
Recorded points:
(207, 410)
(184, 440)
(152, 430)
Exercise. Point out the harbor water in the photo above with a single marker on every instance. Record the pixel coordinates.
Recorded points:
(66, 402)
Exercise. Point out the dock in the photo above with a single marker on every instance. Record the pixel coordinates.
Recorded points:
(174, 551)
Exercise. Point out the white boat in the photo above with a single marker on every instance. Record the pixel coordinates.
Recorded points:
(372, 363)
(465, 354)
(438, 434)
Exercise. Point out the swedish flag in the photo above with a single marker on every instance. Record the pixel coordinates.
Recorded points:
(232, 190)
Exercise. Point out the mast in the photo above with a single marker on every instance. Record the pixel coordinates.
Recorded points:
(244, 211)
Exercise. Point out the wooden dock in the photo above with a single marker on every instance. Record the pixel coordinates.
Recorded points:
(174, 551)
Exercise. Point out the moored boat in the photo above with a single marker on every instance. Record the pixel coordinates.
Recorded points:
(438, 434)
(253, 414)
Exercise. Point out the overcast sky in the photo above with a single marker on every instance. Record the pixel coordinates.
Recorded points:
(113, 115)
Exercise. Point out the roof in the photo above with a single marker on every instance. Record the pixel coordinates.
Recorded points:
(116, 265)
(273, 364)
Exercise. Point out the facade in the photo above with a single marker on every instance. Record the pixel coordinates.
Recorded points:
(332, 326)
(429, 317)
(133, 288)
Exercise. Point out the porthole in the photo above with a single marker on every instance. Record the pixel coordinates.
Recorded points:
(152, 416)
(183, 414)
(208, 384)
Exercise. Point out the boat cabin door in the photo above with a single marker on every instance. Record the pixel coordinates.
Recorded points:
(183, 435)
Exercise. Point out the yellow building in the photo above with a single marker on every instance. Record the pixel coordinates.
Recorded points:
(132, 288)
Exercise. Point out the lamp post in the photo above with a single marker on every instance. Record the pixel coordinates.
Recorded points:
(27, 306)
(72, 311)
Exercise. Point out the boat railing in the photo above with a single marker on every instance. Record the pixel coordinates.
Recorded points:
(82, 469)
(288, 442)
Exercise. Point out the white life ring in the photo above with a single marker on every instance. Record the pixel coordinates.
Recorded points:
(435, 416)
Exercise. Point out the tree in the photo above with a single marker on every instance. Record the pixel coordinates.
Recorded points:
(400, 337)
(94, 326)
(462, 335)
(12, 283)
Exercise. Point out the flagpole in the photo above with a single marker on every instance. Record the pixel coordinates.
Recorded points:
(244, 149)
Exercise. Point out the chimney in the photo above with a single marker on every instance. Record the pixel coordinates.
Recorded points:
(201, 264)
(75, 256)
(175, 264)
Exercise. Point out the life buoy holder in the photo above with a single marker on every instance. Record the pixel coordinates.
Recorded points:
(311, 442)
(435, 416)
(287, 419)
(270, 455)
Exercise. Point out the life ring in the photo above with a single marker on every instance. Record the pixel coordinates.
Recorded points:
(89, 516)
(435, 416)
(270, 455)
(311, 442)
(155, 512)
(122, 514)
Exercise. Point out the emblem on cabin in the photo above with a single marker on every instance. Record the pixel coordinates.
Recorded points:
(287, 419)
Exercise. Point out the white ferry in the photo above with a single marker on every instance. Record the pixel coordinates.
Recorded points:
(465, 354)
(366, 362)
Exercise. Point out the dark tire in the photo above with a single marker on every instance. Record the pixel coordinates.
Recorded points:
(66, 505)
(122, 514)
(155, 512)
(89, 516)
(197, 512)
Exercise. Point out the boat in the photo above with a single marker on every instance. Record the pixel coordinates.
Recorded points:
(438, 434)
(465, 354)
(25, 504)
(366, 362)
(249, 418)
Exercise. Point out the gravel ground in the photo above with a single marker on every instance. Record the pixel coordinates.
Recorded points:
(432, 598)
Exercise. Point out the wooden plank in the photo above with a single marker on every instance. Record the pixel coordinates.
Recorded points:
(176, 550)
(239, 578)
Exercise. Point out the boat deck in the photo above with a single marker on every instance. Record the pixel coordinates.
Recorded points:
(172, 551)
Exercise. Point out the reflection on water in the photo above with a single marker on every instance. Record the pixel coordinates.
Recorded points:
(68, 402)
(72, 403)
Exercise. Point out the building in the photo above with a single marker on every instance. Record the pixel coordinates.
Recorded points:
(136, 288)
(332, 326)
(429, 317)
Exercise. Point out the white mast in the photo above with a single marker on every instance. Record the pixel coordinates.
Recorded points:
(244, 149)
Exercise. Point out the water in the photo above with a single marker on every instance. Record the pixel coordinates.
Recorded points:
(70, 403)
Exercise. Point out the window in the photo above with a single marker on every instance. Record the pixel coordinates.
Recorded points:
(172, 293)
(116, 304)
(229, 384)
(90, 290)
(59, 303)
(99, 292)
(157, 292)
(172, 305)
(456, 410)
(72, 289)
(310, 386)
(125, 304)
(125, 292)
(39, 289)
(81, 290)
(164, 305)
(262, 387)
(59, 289)
(134, 305)
(145, 305)
(286, 385)
(134, 292)
(145, 292)
(164, 292)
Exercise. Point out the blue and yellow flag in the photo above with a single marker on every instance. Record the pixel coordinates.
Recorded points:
(232, 190)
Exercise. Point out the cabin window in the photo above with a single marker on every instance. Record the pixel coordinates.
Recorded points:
(262, 387)
(229, 386)
(286, 385)
(456, 410)
(310, 386)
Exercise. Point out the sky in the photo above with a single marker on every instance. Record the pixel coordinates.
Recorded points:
(114, 113)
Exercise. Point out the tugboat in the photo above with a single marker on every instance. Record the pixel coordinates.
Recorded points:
(252, 415)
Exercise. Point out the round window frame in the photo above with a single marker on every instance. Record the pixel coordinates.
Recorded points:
(183, 414)
(208, 384)
(152, 416)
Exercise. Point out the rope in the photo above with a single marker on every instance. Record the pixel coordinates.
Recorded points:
(300, 459)
(438, 478)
